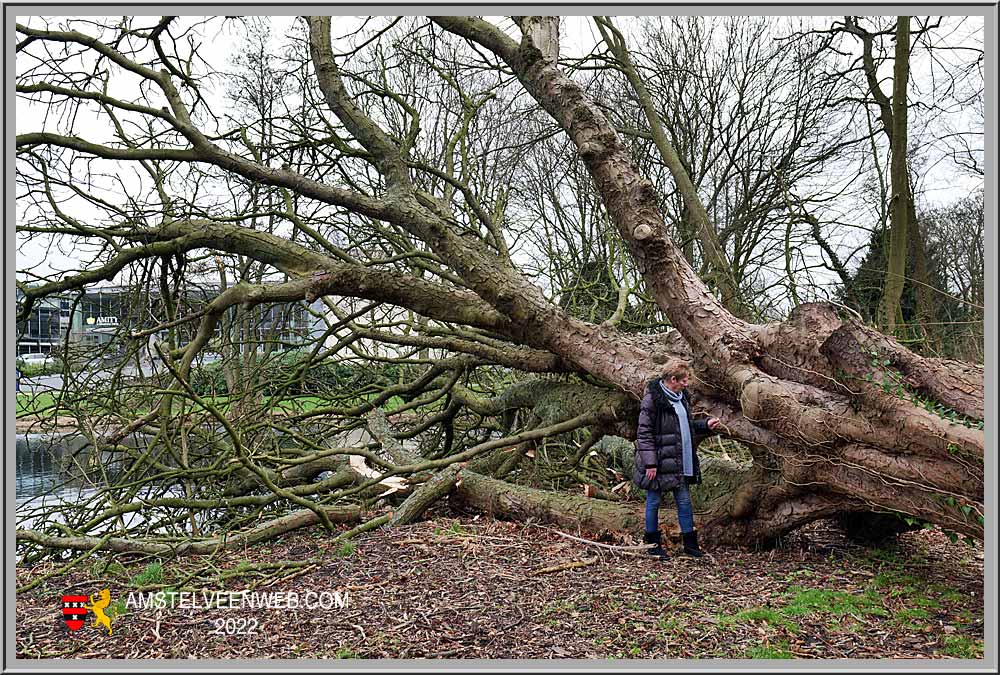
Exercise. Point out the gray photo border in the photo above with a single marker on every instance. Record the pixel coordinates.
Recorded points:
(987, 664)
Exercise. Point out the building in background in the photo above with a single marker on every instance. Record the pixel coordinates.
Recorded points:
(101, 315)
(45, 328)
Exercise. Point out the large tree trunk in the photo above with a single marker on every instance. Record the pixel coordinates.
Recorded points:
(829, 407)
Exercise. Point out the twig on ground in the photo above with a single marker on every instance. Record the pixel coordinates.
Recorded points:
(291, 576)
(623, 549)
(566, 566)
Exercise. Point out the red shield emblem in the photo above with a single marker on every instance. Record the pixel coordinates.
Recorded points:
(74, 609)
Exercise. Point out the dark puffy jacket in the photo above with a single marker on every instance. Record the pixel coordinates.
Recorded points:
(658, 441)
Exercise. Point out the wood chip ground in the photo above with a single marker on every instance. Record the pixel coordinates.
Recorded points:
(462, 587)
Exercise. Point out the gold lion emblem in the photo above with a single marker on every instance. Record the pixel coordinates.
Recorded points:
(98, 603)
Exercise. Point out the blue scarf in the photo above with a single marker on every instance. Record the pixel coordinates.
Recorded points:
(687, 453)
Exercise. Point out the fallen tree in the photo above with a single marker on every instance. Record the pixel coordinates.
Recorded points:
(841, 420)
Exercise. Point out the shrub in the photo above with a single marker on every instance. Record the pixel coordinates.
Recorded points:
(37, 369)
(317, 378)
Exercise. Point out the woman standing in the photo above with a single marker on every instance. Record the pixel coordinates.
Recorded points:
(666, 455)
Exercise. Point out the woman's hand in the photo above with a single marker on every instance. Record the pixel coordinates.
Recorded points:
(713, 422)
(650, 474)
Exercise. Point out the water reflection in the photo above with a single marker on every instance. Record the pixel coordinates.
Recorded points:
(55, 473)
(60, 478)
(51, 465)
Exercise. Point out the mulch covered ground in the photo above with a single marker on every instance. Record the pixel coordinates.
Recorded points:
(461, 586)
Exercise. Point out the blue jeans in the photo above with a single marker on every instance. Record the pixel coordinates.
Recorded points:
(685, 512)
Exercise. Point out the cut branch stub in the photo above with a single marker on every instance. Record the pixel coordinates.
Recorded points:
(642, 231)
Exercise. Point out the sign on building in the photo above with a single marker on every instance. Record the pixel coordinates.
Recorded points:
(102, 320)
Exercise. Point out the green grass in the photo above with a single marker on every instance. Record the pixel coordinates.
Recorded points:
(108, 568)
(769, 651)
(346, 549)
(153, 574)
(557, 607)
(965, 615)
(774, 617)
(394, 403)
(912, 618)
(962, 647)
(117, 608)
(815, 600)
(808, 601)
(897, 583)
(949, 594)
(301, 403)
(912, 613)
(895, 578)
(41, 404)
(916, 593)
(670, 625)
(310, 402)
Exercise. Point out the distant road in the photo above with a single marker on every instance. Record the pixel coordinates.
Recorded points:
(40, 383)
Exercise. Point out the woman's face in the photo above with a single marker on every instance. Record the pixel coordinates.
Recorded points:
(675, 385)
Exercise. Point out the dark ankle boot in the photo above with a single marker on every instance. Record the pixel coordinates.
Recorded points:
(654, 538)
(691, 544)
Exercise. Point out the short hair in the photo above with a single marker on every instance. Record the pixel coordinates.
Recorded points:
(677, 369)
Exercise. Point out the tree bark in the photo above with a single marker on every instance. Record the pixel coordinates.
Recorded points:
(695, 213)
(506, 500)
(895, 273)
(437, 487)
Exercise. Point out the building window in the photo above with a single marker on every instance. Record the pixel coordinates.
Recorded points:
(44, 324)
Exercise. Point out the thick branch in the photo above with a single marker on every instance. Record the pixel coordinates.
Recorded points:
(630, 199)
(264, 531)
(715, 255)
(390, 163)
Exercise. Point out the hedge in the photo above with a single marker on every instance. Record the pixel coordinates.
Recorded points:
(318, 378)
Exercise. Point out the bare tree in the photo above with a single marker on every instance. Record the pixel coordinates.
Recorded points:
(916, 118)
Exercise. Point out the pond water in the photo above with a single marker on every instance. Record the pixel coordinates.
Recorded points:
(56, 472)
(56, 475)
(44, 467)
